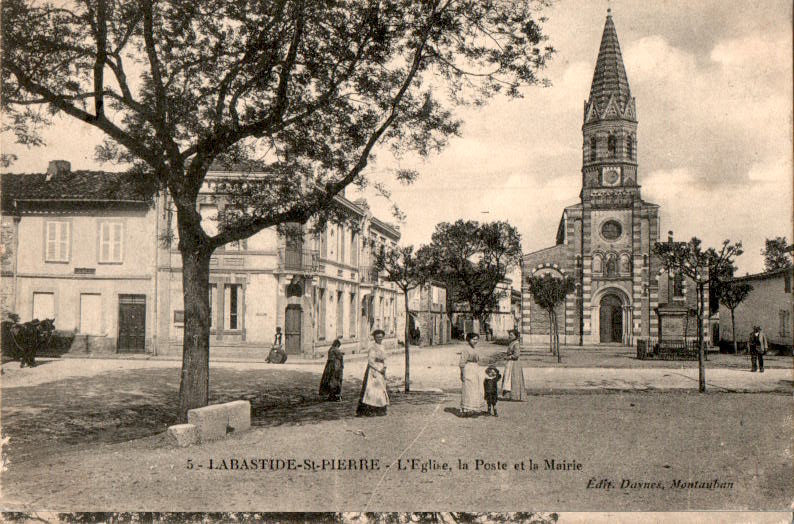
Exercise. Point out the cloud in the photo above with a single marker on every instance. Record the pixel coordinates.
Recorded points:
(746, 212)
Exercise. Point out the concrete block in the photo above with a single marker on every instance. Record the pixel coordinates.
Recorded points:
(210, 421)
(183, 435)
(239, 415)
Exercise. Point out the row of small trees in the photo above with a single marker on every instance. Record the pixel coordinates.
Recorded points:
(703, 266)
(468, 258)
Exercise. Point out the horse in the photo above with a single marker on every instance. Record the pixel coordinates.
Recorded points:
(29, 337)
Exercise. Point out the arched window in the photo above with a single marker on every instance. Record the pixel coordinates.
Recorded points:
(593, 144)
(612, 267)
(630, 147)
(611, 146)
(625, 264)
(597, 264)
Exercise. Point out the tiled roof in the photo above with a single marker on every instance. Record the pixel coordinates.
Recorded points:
(609, 77)
(765, 275)
(73, 186)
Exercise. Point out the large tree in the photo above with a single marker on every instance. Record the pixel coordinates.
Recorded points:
(309, 89)
(408, 270)
(473, 259)
(731, 295)
(777, 253)
(548, 292)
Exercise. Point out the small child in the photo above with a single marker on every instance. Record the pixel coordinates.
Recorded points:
(491, 385)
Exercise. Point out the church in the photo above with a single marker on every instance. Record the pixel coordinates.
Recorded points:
(605, 242)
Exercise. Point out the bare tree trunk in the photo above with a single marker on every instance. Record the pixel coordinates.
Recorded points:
(701, 363)
(194, 380)
(702, 329)
(407, 347)
(551, 333)
(733, 334)
(557, 338)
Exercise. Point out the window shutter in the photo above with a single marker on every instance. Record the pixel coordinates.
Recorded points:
(63, 253)
(117, 238)
(104, 242)
(51, 240)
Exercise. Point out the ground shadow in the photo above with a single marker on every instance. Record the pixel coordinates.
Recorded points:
(125, 405)
(460, 414)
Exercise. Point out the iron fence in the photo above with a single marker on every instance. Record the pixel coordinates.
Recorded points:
(667, 348)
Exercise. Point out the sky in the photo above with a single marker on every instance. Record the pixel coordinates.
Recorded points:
(712, 81)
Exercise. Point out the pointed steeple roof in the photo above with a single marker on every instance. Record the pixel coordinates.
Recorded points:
(609, 78)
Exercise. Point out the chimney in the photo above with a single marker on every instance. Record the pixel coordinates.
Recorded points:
(58, 167)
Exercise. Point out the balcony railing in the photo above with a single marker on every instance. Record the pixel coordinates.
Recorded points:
(298, 260)
(369, 275)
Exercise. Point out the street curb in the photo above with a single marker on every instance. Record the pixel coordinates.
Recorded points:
(353, 357)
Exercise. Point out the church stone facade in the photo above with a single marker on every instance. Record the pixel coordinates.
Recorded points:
(605, 241)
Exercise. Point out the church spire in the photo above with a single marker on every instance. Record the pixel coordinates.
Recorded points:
(609, 78)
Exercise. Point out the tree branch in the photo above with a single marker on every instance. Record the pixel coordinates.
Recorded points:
(101, 123)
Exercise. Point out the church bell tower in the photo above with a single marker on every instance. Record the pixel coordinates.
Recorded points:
(618, 227)
(605, 241)
(610, 122)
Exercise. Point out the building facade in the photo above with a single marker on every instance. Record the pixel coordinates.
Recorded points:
(109, 271)
(429, 322)
(316, 288)
(605, 241)
(769, 305)
(79, 247)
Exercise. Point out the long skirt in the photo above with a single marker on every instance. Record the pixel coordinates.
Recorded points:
(513, 382)
(331, 382)
(471, 396)
(374, 398)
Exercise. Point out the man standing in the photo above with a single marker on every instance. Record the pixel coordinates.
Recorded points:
(758, 348)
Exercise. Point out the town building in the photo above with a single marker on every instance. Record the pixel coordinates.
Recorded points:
(80, 247)
(429, 322)
(605, 241)
(500, 321)
(108, 269)
(769, 305)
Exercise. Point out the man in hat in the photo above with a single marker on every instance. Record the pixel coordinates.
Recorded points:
(758, 348)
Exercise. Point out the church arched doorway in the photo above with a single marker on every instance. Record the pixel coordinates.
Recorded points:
(611, 319)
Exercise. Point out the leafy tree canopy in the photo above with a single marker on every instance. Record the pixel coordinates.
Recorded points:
(733, 293)
(404, 267)
(548, 291)
(299, 91)
(777, 253)
(473, 259)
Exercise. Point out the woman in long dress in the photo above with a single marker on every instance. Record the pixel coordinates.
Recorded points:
(513, 380)
(374, 398)
(471, 377)
(331, 383)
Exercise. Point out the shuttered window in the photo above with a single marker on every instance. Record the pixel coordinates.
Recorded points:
(111, 242)
(58, 237)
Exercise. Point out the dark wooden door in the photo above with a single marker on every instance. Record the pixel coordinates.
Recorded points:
(292, 329)
(617, 324)
(132, 324)
(610, 320)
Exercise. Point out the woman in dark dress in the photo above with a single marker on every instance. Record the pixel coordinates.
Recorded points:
(331, 383)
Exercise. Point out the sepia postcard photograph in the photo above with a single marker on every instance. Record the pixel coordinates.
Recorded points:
(391, 261)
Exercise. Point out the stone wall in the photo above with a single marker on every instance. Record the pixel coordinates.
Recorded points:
(8, 256)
